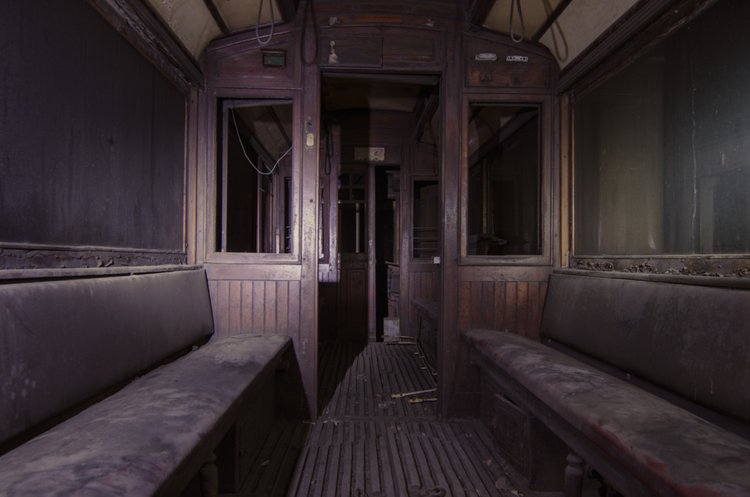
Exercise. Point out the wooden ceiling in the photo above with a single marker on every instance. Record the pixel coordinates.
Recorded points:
(566, 27)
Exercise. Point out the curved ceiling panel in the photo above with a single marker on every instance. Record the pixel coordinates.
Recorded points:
(582, 22)
(190, 20)
(579, 24)
(243, 14)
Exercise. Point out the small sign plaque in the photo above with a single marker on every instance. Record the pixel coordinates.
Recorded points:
(274, 58)
(369, 154)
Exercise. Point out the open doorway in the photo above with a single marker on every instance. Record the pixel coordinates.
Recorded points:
(379, 140)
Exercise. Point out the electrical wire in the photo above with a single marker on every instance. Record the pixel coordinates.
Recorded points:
(265, 42)
(513, 4)
(242, 145)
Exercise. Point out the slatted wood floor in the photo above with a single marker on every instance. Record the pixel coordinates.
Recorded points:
(358, 382)
(367, 444)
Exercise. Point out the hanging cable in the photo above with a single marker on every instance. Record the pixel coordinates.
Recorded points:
(560, 57)
(309, 10)
(513, 4)
(242, 145)
(265, 42)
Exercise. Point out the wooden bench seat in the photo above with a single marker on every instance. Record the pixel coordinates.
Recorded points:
(145, 439)
(643, 443)
(70, 351)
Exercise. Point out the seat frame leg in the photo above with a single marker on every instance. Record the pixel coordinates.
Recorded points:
(573, 476)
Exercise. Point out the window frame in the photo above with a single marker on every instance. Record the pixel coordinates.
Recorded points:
(412, 221)
(651, 30)
(214, 163)
(546, 205)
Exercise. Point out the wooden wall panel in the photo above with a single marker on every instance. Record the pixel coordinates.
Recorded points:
(423, 285)
(537, 71)
(248, 306)
(238, 62)
(514, 306)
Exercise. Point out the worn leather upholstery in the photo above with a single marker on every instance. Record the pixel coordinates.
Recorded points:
(62, 342)
(147, 439)
(688, 339)
(649, 446)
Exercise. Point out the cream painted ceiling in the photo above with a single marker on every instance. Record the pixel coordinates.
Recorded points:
(195, 26)
(580, 23)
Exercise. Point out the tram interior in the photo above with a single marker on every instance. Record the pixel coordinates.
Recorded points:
(417, 248)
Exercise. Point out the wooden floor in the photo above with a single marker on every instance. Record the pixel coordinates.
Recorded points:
(367, 443)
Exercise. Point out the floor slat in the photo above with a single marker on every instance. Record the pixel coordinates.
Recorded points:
(366, 444)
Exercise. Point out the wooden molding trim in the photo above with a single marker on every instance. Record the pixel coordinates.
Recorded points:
(478, 10)
(211, 6)
(138, 23)
(94, 272)
(551, 20)
(640, 15)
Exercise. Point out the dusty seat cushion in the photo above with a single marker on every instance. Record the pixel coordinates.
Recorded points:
(669, 449)
(687, 339)
(62, 342)
(153, 434)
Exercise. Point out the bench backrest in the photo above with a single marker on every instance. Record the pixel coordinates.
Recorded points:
(691, 340)
(62, 342)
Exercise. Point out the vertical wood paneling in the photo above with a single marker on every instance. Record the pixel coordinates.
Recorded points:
(221, 316)
(247, 306)
(488, 300)
(270, 323)
(282, 307)
(502, 305)
(511, 289)
(522, 305)
(235, 307)
(260, 307)
(532, 327)
(213, 291)
(475, 304)
(422, 286)
(498, 309)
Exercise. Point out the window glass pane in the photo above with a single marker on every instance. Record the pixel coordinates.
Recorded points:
(504, 175)
(254, 177)
(352, 219)
(662, 148)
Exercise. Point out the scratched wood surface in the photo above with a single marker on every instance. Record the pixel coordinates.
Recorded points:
(366, 443)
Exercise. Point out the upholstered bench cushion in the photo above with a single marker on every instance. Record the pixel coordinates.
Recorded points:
(161, 425)
(63, 342)
(688, 339)
(671, 451)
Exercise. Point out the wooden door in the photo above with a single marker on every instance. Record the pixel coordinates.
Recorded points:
(353, 257)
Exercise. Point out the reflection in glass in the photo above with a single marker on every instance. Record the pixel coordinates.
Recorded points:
(662, 148)
(503, 180)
